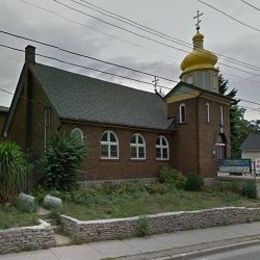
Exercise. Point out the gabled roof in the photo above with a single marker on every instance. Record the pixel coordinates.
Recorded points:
(252, 143)
(4, 109)
(191, 86)
(82, 98)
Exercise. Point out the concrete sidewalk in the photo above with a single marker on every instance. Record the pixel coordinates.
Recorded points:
(152, 247)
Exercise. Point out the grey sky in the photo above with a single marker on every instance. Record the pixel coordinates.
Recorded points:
(173, 17)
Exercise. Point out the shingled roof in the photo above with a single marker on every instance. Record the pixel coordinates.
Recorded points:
(83, 98)
(252, 143)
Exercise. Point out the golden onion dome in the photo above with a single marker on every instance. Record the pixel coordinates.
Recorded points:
(199, 58)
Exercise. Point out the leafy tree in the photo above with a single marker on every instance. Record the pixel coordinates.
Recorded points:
(255, 126)
(13, 171)
(239, 126)
(60, 163)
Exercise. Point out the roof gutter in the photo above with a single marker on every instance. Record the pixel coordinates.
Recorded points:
(104, 124)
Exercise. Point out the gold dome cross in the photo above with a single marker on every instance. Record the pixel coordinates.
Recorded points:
(198, 20)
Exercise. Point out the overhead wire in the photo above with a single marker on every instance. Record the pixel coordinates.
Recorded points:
(229, 16)
(153, 31)
(88, 68)
(251, 5)
(236, 62)
(147, 37)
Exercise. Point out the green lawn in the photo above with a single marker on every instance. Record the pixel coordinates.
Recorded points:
(11, 217)
(98, 204)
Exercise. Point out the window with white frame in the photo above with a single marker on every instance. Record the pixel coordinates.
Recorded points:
(78, 135)
(182, 113)
(162, 148)
(138, 147)
(208, 112)
(221, 115)
(109, 145)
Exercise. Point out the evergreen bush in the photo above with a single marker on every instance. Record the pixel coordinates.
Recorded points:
(249, 189)
(172, 176)
(60, 163)
(194, 183)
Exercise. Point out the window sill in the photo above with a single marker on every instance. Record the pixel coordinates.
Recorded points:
(138, 159)
(110, 159)
(162, 160)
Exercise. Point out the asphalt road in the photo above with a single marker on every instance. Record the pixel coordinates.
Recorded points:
(248, 253)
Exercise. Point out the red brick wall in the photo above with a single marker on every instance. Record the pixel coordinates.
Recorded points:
(208, 134)
(29, 118)
(185, 142)
(195, 140)
(2, 121)
(95, 168)
(17, 129)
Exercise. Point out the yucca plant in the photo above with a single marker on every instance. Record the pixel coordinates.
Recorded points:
(13, 171)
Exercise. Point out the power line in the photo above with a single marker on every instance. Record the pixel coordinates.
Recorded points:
(229, 16)
(92, 69)
(255, 7)
(250, 66)
(130, 22)
(100, 71)
(146, 37)
(83, 67)
(83, 55)
(155, 32)
(65, 18)
(43, 104)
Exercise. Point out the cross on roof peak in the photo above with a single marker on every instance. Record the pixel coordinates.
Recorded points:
(197, 16)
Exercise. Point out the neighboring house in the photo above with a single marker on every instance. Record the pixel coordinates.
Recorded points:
(3, 115)
(130, 133)
(250, 148)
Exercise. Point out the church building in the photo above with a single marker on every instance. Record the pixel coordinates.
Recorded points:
(130, 133)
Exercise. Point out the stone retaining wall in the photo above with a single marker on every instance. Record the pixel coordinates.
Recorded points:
(26, 238)
(107, 229)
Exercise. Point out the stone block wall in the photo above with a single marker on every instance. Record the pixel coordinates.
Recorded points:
(27, 238)
(108, 229)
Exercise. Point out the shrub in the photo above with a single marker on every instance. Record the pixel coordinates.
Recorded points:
(25, 206)
(39, 193)
(172, 176)
(13, 171)
(60, 163)
(156, 188)
(249, 189)
(142, 228)
(194, 183)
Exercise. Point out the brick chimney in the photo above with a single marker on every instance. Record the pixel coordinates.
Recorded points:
(29, 54)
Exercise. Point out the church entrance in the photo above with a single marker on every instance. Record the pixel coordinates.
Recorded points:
(221, 147)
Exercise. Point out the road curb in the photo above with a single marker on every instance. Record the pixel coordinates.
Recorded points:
(209, 251)
(195, 250)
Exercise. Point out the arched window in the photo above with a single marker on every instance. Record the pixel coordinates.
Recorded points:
(78, 134)
(162, 148)
(109, 145)
(182, 113)
(138, 147)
